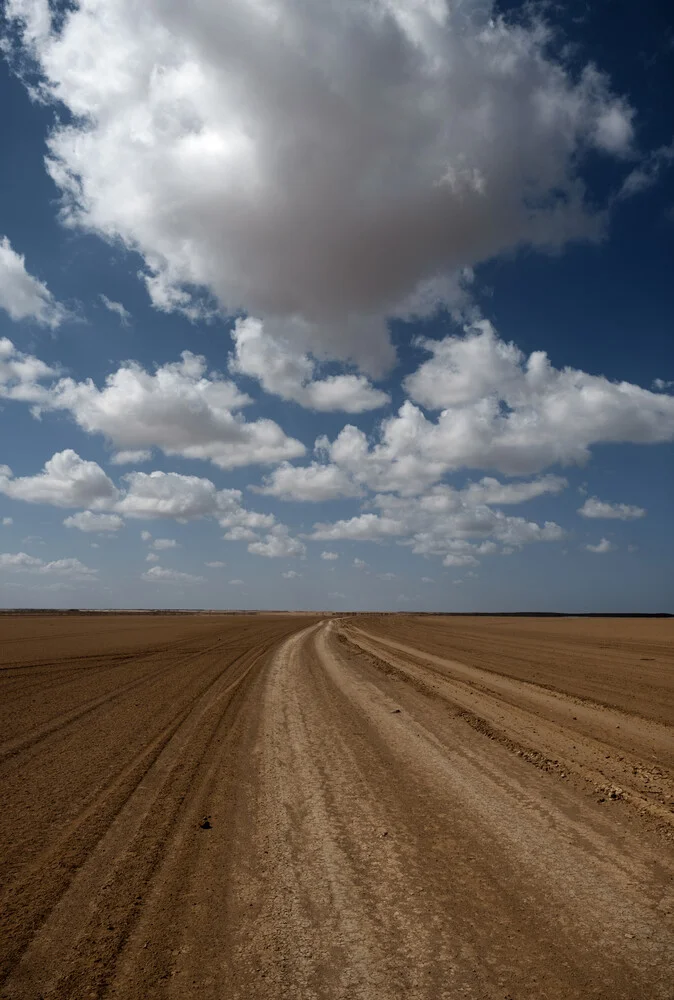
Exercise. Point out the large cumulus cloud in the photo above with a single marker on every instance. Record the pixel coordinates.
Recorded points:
(316, 165)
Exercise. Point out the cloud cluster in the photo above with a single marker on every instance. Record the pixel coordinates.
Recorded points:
(71, 569)
(316, 166)
(21, 374)
(66, 481)
(158, 574)
(180, 408)
(285, 371)
(498, 410)
(22, 295)
(278, 543)
(70, 481)
(87, 521)
(595, 508)
(456, 525)
(312, 483)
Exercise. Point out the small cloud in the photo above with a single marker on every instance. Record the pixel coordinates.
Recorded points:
(164, 543)
(6, 521)
(595, 508)
(236, 583)
(427, 579)
(131, 457)
(601, 547)
(387, 576)
(661, 384)
(329, 555)
(88, 522)
(632, 548)
(337, 594)
(152, 557)
(360, 564)
(24, 296)
(146, 536)
(216, 564)
(158, 574)
(291, 575)
(117, 308)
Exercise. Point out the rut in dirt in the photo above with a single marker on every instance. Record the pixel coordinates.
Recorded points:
(296, 807)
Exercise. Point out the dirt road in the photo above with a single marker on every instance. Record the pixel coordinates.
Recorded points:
(277, 806)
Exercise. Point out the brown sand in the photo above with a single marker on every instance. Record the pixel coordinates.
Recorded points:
(302, 807)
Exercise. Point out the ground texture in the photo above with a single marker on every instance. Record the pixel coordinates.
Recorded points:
(282, 806)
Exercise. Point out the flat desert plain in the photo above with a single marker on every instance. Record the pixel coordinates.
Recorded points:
(306, 806)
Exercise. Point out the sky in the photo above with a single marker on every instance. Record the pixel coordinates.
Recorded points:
(327, 306)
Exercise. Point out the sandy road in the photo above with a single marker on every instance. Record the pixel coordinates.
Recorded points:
(383, 822)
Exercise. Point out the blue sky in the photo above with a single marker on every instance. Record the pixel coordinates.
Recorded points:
(364, 307)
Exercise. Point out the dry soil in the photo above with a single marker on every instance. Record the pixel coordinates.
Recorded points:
(287, 806)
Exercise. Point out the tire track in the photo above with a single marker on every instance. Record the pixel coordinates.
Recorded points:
(11, 747)
(392, 852)
(511, 712)
(75, 947)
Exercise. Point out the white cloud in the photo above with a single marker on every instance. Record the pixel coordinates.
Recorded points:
(69, 481)
(88, 521)
(71, 569)
(329, 555)
(313, 483)
(19, 560)
(595, 508)
(236, 583)
(266, 160)
(239, 533)
(491, 491)
(648, 172)
(365, 527)
(285, 371)
(131, 457)
(216, 564)
(244, 525)
(152, 557)
(181, 409)
(500, 410)
(66, 481)
(21, 294)
(277, 543)
(387, 576)
(171, 495)
(459, 560)
(360, 563)
(117, 308)
(158, 574)
(427, 579)
(20, 374)
(451, 524)
(601, 547)
(291, 575)
(164, 543)
(6, 521)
